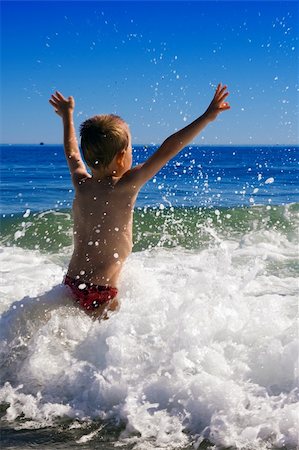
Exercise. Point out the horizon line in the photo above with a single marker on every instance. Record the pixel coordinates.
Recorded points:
(42, 144)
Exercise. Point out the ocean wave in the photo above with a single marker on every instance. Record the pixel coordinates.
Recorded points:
(51, 231)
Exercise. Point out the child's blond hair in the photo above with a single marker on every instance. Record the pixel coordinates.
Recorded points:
(102, 137)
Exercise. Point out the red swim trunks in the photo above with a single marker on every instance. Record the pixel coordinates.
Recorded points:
(88, 295)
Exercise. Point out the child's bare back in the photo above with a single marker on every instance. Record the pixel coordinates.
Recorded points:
(104, 200)
(103, 214)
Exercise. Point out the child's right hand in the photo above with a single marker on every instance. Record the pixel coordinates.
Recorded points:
(217, 105)
(62, 105)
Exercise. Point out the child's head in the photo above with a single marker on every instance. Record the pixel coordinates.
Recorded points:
(102, 138)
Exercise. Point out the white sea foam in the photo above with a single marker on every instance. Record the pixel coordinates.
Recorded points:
(205, 342)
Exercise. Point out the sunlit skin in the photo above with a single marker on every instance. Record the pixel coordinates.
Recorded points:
(104, 200)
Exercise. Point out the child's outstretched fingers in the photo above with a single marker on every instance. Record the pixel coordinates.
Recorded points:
(61, 104)
(59, 95)
(53, 102)
(222, 97)
(218, 104)
(221, 94)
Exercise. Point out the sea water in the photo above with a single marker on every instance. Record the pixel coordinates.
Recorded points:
(203, 352)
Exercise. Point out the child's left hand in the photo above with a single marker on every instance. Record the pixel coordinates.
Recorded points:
(62, 105)
(218, 104)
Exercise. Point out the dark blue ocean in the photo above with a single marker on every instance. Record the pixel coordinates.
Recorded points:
(36, 177)
(203, 352)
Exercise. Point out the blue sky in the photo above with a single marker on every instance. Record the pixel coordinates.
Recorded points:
(155, 64)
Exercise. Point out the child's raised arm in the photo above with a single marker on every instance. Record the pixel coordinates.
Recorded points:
(176, 142)
(64, 107)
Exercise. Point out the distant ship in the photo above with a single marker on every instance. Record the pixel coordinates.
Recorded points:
(41, 143)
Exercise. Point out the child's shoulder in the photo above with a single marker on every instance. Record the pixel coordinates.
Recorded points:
(128, 177)
(83, 184)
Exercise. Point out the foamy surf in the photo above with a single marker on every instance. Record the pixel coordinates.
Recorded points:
(203, 349)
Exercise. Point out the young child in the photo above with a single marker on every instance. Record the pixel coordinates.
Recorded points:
(104, 200)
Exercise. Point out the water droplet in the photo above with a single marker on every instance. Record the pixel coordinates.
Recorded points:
(26, 214)
(269, 180)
